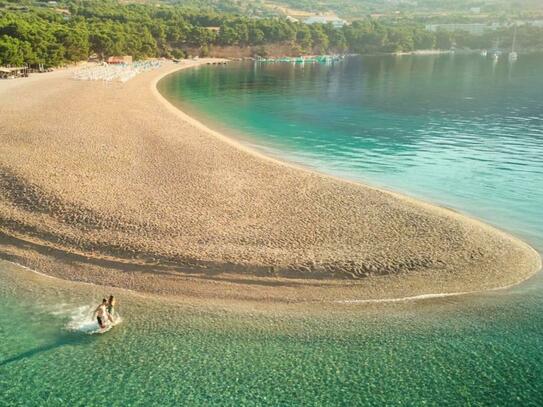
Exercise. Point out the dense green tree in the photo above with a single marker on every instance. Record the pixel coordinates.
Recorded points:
(13, 51)
(319, 38)
(336, 38)
(256, 35)
(400, 40)
(444, 40)
(228, 35)
(424, 39)
(74, 37)
(42, 35)
(303, 37)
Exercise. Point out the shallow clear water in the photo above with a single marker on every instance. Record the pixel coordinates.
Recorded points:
(457, 130)
(475, 350)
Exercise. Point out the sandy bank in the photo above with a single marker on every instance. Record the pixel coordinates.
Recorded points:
(108, 183)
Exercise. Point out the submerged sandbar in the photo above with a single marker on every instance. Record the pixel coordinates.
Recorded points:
(109, 183)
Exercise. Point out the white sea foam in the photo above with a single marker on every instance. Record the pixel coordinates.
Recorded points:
(402, 299)
(81, 321)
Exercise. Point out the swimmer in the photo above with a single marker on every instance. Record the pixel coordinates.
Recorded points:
(101, 314)
(111, 308)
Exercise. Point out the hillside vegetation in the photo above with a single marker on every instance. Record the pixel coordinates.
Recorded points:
(72, 30)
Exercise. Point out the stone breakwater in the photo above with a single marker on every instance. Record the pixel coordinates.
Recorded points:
(109, 183)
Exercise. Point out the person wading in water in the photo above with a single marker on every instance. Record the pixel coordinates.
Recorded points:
(101, 314)
(111, 302)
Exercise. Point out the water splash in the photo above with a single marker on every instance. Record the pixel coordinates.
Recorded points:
(81, 321)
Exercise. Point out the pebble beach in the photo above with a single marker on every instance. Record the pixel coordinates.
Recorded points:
(109, 183)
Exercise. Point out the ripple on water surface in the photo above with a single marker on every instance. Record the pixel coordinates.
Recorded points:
(475, 350)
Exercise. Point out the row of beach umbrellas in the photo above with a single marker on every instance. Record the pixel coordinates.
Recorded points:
(115, 72)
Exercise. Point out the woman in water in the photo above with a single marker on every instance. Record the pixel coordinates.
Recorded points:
(111, 307)
(100, 314)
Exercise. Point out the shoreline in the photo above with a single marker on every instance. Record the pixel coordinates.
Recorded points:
(230, 281)
(421, 297)
(243, 142)
(239, 143)
(273, 153)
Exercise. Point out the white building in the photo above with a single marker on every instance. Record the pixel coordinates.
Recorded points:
(335, 21)
(471, 28)
(480, 28)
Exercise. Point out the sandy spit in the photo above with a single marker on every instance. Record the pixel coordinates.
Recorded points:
(110, 184)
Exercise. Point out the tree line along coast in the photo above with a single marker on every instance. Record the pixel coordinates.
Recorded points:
(73, 30)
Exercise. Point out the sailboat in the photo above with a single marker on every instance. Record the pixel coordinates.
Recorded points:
(513, 56)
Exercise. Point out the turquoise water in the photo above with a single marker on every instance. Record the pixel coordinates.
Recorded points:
(479, 350)
(457, 130)
(460, 130)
